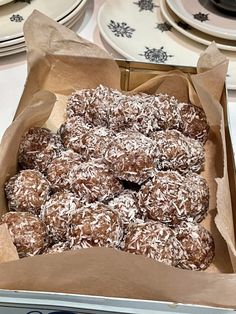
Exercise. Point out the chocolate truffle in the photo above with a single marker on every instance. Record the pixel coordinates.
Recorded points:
(198, 245)
(27, 191)
(55, 214)
(28, 232)
(59, 169)
(131, 156)
(155, 240)
(194, 122)
(175, 151)
(171, 198)
(126, 204)
(38, 147)
(93, 181)
(97, 224)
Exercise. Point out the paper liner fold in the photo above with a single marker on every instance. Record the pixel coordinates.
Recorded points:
(60, 62)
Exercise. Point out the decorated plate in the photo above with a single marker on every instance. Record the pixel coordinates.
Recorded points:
(193, 33)
(13, 15)
(137, 30)
(204, 16)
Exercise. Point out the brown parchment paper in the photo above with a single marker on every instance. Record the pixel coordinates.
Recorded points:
(60, 62)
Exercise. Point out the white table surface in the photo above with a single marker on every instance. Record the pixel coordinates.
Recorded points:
(13, 71)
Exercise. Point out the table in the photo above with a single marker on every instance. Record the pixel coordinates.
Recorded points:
(13, 72)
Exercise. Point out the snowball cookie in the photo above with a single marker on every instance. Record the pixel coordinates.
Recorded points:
(93, 181)
(198, 245)
(144, 113)
(59, 169)
(95, 142)
(126, 204)
(194, 122)
(93, 104)
(27, 191)
(96, 224)
(175, 151)
(38, 147)
(71, 131)
(131, 156)
(171, 198)
(28, 232)
(154, 240)
(55, 213)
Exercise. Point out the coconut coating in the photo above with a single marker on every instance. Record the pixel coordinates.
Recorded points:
(95, 142)
(198, 245)
(57, 248)
(59, 169)
(55, 214)
(126, 204)
(144, 113)
(27, 231)
(93, 104)
(131, 156)
(97, 224)
(27, 191)
(71, 132)
(38, 147)
(171, 198)
(194, 122)
(154, 240)
(175, 151)
(93, 181)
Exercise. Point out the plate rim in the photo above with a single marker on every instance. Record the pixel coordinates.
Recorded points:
(197, 25)
(60, 17)
(230, 85)
(164, 6)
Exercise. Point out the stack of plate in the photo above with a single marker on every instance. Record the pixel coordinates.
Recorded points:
(13, 14)
(173, 32)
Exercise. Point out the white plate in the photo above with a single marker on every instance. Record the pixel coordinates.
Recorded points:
(193, 33)
(9, 48)
(12, 52)
(2, 2)
(13, 15)
(139, 34)
(77, 10)
(204, 16)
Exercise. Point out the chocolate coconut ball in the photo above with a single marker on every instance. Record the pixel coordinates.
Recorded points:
(171, 198)
(97, 224)
(59, 169)
(194, 122)
(131, 156)
(57, 248)
(175, 151)
(126, 204)
(95, 142)
(198, 245)
(27, 191)
(71, 132)
(144, 113)
(93, 104)
(154, 240)
(93, 181)
(27, 231)
(55, 214)
(38, 147)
